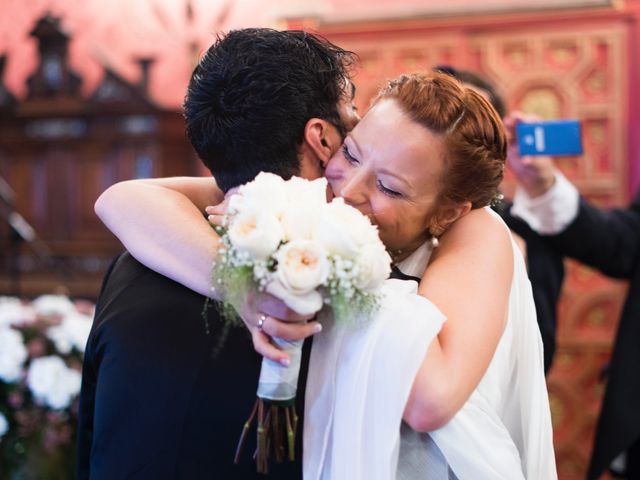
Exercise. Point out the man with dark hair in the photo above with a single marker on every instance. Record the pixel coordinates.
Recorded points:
(544, 264)
(157, 402)
(250, 98)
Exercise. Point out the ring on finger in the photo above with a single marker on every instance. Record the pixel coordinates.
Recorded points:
(261, 320)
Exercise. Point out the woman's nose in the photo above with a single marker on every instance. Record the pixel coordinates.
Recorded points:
(354, 187)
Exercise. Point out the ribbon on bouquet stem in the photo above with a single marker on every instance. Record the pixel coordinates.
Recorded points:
(274, 409)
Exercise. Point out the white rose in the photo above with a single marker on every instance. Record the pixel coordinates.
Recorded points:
(52, 382)
(4, 425)
(302, 266)
(71, 333)
(308, 192)
(298, 223)
(343, 230)
(14, 312)
(304, 200)
(53, 305)
(373, 265)
(266, 192)
(258, 233)
(12, 355)
(304, 304)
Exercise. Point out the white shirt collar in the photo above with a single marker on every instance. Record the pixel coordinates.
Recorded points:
(416, 263)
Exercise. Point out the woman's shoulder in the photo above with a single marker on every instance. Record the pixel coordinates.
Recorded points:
(481, 227)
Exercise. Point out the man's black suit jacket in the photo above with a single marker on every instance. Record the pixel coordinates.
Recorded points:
(610, 242)
(156, 402)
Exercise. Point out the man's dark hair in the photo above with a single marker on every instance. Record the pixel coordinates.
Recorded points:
(472, 78)
(251, 95)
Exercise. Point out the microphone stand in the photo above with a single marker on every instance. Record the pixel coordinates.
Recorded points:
(21, 231)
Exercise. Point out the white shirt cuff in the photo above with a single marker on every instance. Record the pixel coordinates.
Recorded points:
(552, 212)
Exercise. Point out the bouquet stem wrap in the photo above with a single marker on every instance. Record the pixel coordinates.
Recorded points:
(274, 410)
(278, 383)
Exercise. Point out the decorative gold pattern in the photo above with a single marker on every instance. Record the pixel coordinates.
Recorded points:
(563, 56)
(543, 102)
(596, 134)
(596, 82)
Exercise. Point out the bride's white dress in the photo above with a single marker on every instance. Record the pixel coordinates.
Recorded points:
(360, 377)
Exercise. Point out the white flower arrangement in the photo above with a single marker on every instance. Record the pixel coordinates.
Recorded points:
(41, 348)
(284, 238)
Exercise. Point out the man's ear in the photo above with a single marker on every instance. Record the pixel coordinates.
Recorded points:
(321, 140)
(446, 215)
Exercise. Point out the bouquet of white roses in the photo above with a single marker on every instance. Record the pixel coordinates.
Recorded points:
(284, 238)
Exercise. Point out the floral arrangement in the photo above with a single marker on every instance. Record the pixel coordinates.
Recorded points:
(40, 363)
(286, 239)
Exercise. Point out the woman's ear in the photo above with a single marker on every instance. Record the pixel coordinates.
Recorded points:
(321, 139)
(446, 215)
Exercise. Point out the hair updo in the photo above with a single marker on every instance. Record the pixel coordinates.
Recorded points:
(475, 142)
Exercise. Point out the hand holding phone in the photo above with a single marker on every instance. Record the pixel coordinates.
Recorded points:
(549, 137)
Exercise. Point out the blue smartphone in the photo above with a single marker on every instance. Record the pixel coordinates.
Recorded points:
(550, 137)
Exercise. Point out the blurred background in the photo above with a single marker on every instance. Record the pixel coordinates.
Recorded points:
(90, 94)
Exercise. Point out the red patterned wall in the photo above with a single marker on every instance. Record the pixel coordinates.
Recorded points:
(560, 64)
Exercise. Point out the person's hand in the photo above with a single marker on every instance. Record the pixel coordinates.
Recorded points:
(536, 174)
(267, 316)
(217, 214)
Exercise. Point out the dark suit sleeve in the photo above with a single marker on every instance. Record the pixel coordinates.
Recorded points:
(608, 240)
(88, 392)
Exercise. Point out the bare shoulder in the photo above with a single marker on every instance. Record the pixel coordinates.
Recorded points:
(481, 230)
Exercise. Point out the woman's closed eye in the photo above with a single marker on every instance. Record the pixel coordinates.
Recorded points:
(350, 158)
(387, 191)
